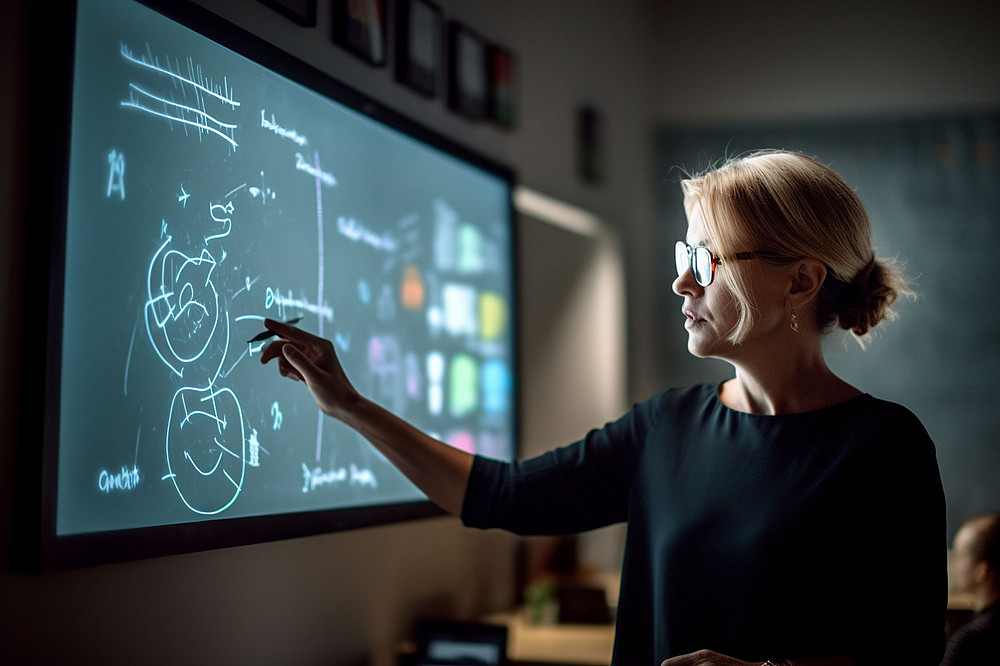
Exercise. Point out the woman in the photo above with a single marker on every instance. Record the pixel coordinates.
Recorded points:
(768, 515)
(976, 571)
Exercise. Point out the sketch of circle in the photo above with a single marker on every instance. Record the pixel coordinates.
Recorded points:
(183, 314)
(206, 448)
(190, 330)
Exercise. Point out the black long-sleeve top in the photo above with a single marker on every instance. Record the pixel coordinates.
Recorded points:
(977, 642)
(755, 536)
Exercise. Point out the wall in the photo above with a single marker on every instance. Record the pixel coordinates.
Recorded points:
(572, 346)
(722, 61)
(344, 598)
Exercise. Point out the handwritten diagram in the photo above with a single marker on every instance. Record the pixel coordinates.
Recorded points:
(205, 448)
(188, 328)
(216, 194)
(195, 91)
(182, 312)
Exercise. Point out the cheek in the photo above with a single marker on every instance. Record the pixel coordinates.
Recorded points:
(768, 302)
(720, 295)
(723, 305)
(961, 569)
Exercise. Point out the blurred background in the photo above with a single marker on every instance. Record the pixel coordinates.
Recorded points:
(613, 100)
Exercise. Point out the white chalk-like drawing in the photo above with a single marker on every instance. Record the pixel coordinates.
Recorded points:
(182, 310)
(277, 415)
(206, 448)
(187, 324)
(196, 92)
(116, 174)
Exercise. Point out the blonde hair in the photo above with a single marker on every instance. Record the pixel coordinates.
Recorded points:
(787, 206)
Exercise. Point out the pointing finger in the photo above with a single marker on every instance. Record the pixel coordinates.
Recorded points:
(289, 371)
(290, 332)
(273, 350)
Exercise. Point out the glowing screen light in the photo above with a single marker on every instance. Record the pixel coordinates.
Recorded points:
(205, 193)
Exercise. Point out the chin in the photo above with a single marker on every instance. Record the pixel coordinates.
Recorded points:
(700, 349)
(695, 350)
(716, 347)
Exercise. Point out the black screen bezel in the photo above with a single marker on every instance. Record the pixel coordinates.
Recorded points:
(37, 545)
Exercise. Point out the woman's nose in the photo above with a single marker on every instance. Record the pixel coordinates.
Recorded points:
(685, 283)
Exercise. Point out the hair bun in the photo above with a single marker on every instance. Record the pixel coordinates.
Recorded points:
(868, 298)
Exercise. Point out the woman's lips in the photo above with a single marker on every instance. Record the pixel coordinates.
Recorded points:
(691, 319)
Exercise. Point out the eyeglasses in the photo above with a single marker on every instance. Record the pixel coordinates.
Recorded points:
(701, 262)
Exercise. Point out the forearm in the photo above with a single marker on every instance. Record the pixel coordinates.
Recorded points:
(440, 470)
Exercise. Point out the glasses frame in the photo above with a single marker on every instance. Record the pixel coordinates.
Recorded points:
(714, 261)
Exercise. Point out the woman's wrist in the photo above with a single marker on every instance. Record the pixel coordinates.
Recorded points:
(351, 409)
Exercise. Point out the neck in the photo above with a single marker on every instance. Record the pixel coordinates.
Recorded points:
(784, 380)
(984, 598)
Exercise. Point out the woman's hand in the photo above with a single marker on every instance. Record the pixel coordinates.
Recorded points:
(438, 469)
(307, 358)
(706, 658)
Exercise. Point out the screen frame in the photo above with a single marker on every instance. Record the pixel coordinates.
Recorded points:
(37, 544)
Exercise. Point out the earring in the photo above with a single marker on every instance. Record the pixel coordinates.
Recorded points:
(794, 322)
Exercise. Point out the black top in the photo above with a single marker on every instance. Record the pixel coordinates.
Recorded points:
(977, 642)
(754, 536)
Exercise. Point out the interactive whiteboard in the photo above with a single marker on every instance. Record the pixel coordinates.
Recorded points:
(205, 192)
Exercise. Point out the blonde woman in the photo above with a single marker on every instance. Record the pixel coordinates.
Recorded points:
(765, 513)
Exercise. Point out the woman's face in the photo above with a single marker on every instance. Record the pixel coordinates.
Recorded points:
(711, 312)
(963, 564)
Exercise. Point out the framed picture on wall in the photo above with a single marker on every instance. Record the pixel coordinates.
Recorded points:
(418, 45)
(467, 72)
(590, 144)
(302, 12)
(359, 27)
(502, 99)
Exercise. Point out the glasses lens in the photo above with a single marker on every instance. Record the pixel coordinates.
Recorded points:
(681, 257)
(702, 266)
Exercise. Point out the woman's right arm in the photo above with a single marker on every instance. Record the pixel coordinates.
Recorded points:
(439, 470)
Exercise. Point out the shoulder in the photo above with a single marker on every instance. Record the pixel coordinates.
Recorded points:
(886, 410)
(899, 427)
(978, 637)
(986, 622)
(684, 399)
(668, 408)
(883, 422)
(892, 453)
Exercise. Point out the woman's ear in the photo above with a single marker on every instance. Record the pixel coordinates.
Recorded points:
(807, 279)
(981, 573)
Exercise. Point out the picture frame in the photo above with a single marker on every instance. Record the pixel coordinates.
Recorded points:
(302, 12)
(468, 84)
(590, 144)
(502, 101)
(359, 27)
(419, 45)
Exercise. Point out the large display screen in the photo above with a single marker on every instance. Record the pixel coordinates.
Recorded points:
(206, 192)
